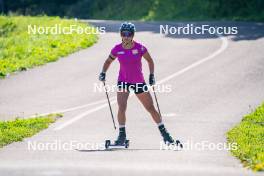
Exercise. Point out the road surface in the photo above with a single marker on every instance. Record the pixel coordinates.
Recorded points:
(214, 81)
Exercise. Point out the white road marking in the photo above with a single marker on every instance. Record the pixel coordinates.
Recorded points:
(224, 45)
(168, 115)
(220, 50)
(74, 108)
(83, 115)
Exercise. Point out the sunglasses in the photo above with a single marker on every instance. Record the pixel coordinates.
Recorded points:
(126, 34)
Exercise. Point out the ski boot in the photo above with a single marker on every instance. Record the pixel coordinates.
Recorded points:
(121, 139)
(168, 139)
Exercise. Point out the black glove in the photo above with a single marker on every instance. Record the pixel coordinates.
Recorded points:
(102, 76)
(151, 79)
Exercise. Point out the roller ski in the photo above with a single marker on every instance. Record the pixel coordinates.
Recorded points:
(109, 145)
(120, 142)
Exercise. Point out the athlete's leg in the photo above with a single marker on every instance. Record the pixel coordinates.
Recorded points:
(146, 99)
(122, 97)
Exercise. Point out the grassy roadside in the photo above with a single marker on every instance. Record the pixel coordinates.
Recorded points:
(20, 50)
(16, 130)
(249, 135)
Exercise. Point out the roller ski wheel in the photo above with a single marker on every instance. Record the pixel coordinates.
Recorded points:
(178, 143)
(107, 144)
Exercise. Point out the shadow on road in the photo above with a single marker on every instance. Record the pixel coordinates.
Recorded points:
(118, 149)
(246, 30)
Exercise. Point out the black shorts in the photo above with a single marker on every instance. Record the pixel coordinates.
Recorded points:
(137, 88)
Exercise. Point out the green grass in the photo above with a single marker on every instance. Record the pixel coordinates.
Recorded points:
(20, 50)
(249, 135)
(17, 130)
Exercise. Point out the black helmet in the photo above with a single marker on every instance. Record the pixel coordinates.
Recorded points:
(127, 26)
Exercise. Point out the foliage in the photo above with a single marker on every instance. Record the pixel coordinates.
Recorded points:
(249, 135)
(143, 9)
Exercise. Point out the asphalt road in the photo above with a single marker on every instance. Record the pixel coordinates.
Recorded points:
(214, 81)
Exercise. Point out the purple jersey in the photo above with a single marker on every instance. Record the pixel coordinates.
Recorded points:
(130, 62)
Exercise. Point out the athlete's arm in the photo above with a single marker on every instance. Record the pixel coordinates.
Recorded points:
(108, 62)
(150, 62)
(151, 68)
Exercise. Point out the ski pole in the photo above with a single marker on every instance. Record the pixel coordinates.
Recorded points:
(156, 100)
(110, 106)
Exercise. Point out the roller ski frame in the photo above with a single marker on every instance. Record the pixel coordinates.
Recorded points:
(108, 144)
(175, 143)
